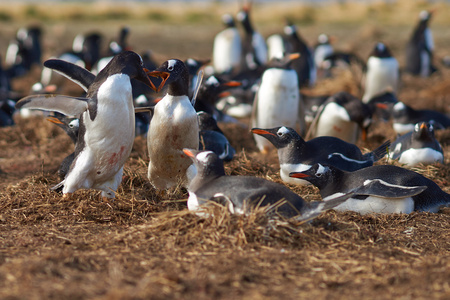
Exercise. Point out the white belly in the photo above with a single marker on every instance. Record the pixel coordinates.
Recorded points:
(174, 126)
(373, 204)
(413, 157)
(381, 76)
(227, 50)
(278, 102)
(335, 121)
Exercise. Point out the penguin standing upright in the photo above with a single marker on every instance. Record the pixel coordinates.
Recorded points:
(419, 50)
(254, 48)
(174, 126)
(322, 50)
(343, 116)
(227, 47)
(106, 116)
(382, 73)
(305, 65)
(277, 102)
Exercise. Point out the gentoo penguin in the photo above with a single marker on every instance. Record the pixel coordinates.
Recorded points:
(241, 194)
(382, 104)
(296, 155)
(71, 126)
(305, 66)
(174, 126)
(227, 47)
(277, 102)
(24, 52)
(343, 116)
(322, 50)
(418, 146)
(254, 48)
(312, 105)
(106, 116)
(212, 137)
(405, 118)
(378, 189)
(382, 73)
(419, 50)
(209, 94)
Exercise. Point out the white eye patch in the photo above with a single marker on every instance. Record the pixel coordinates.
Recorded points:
(321, 170)
(212, 81)
(74, 123)
(171, 64)
(282, 130)
(399, 106)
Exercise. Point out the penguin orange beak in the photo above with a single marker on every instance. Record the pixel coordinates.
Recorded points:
(298, 175)
(423, 126)
(293, 56)
(232, 83)
(261, 131)
(188, 152)
(159, 74)
(152, 85)
(54, 120)
(364, 134)
(381, 105)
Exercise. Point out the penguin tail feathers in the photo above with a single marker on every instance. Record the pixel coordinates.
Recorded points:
(313, 209)
(378, 153)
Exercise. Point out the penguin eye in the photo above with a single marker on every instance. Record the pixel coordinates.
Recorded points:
(170, 68)
(318, 174)
(70, 125)
(280, 133)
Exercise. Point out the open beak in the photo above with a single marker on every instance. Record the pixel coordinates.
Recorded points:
(188, 152)
(54, 120)
(423, 126)
(261, 131)
(159, 74)
(152, 85)
(298, 175)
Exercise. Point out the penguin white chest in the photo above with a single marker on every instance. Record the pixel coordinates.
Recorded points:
(382, 75)
(335, 121)
(110, 135)
(374, 204)
(174, 126)
(227, 50)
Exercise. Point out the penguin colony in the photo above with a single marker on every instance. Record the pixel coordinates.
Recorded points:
(247, 77)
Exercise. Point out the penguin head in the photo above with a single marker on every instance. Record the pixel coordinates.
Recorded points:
(228, 21)
(175, 75)
(283, 62)
(381, 50)
(206, 162)
(70, 125)
(131, 64)
(280, 137)
(207, 122)
(323, 39)
(423, 131)
(425, 15)
(319, 175)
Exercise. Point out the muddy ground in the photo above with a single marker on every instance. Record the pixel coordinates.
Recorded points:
(146, 245)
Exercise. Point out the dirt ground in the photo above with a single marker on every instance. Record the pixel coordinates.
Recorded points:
(146, 245)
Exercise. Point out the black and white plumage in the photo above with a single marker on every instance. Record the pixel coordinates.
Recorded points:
(417, 147)
(174, 126)
(343, 116)
(241, 194)
(296, 155)
(278, 102)
(305, 65)
(382, 73)
(106, 116)
(71, 126)
(378, 189)
(419, 50)
(322, 50)
(254, 48)
(405, 118)
(212, 137)
(227, 47)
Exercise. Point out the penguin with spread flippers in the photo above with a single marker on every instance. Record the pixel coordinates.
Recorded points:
(106, 116)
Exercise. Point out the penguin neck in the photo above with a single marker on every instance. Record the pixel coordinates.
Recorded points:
(329, 186)
(178, 88)
(293, 153)
(206, 174)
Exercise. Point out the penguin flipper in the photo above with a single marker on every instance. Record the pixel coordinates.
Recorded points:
(70, 106)
(315, 208)
(77, 74)
(198, 83)
(383, 189)
(254, 115)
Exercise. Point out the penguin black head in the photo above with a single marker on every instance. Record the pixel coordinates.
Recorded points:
(425, 15)
(130, 63)
(70, 125)
(283, 62)
(206, 162)
(280, 137)
(319, 175)
(207, 122)
(381, 50)
(424, 132)
(228, 21)
(173, 73)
